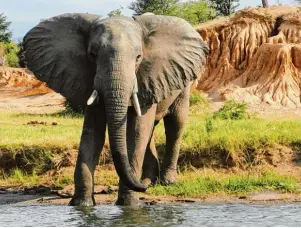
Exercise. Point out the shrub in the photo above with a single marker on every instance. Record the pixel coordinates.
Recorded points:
(232, 110)
(197, 98)
(12, 60)
(10, 53)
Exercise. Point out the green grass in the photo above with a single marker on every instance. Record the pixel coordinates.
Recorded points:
(199, 184)
(33, 147)
(18, 177)
(232, 110)
(17, 135)
(208, 138)
(104, 176)
(204, 135)
(216, 137)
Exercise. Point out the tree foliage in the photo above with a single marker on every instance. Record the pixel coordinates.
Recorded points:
(116, 12)
(193, 11)
(5, 33)
(225, 7)
(8, 54)
(8, 49)
(196, 12)
(160, 7)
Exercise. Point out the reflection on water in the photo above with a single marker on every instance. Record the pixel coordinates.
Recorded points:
(157, 215)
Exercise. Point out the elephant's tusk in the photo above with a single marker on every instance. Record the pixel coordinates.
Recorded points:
(92, 98)
(136, 104)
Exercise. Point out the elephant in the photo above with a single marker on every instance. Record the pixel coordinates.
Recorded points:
(131, 72)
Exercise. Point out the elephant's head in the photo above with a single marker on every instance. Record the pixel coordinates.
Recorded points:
(76, 54)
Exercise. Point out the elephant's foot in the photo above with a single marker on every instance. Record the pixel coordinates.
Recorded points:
(127, 199)
(168, 176)
(84, 202)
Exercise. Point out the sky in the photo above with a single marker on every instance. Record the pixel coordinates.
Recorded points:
(26, 15)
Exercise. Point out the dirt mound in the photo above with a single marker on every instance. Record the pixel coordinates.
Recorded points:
(22, 78)
(254, 56)
(20, 91)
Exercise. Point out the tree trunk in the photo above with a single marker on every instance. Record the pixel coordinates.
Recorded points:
(265, 3)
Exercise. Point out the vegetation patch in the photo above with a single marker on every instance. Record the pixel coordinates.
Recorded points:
(207, 141)
(232, 110)
(197, 184)
(104, 176)
(46, 153)
(35, 146)
(216, 142)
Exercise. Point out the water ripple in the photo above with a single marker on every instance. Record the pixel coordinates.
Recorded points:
(157, 215)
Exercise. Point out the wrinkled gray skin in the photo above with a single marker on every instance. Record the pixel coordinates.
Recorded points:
(160, 56)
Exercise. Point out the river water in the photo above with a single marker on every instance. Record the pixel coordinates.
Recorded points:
(233, 214)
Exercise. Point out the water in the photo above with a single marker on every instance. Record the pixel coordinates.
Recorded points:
(156, 215)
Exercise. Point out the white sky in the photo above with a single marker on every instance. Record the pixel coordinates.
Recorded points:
(26, 15)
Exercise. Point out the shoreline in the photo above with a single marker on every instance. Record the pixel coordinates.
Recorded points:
(106, 196)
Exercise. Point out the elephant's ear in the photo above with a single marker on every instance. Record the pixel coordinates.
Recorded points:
(56, 52)
(174, 55)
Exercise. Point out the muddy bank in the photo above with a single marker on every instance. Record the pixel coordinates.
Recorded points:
(108, 195)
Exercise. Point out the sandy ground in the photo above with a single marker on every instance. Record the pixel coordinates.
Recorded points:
(16, 100)
(13, 100)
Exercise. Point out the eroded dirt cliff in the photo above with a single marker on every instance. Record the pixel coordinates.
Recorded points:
(20, 91)
(255, 56)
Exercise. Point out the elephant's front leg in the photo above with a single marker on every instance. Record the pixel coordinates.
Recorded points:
(139, 131)
(91, 144)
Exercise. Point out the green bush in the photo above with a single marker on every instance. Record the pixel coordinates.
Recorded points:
(10, 53)
(232, 110)
(12, 60)
(197, 98)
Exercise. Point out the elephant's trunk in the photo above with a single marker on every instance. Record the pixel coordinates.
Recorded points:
(117, 93)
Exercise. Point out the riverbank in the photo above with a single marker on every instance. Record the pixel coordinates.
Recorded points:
(37, 143)
(108, 195)
(221, 160)
(227, 153)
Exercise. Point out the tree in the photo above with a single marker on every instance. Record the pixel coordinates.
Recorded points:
(265, 3)
(159, 7)
(225, 7)
(5, 34)
(116, 12)
(196, 12)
